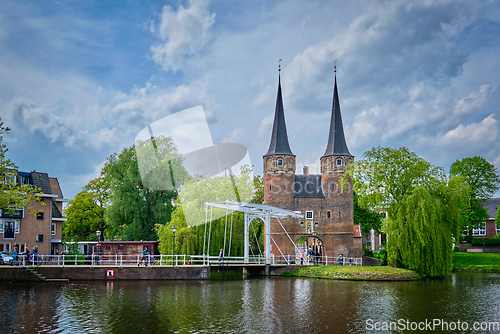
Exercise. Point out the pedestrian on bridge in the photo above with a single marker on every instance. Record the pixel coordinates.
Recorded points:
(221, 256)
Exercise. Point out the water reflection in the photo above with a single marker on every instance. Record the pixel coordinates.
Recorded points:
(255, 305)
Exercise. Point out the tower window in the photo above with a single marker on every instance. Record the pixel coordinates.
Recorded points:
(339, 214)
(309, 215)
(301, 223)
(316, 223)
(328, 214)
(339, 162)
(280, 162)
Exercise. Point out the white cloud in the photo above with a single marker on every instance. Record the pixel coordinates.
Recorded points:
(150, 103)
(237, 135)
(183, 33)
(473, 102)
(478, 134)
(25, 117)
(266, 124)
(385, 49)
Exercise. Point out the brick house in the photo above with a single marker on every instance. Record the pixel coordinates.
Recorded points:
(326, 199)
(489, 229)
(129, 247)
(43, 229)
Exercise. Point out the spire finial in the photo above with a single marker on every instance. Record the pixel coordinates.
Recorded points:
(335, 68)
(279, 71)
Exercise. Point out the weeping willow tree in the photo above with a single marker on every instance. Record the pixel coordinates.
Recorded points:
(424, 207)
(422, 228)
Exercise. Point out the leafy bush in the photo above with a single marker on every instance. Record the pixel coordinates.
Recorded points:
(467, 238)
(487, 241)
(368, 251)
(382, 256)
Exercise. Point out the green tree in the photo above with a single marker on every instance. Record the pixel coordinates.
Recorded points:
(85, 213)
(137, 204)
(484, 181)
(423, 205)
(368, 219)
(258, 184)
(12, 195)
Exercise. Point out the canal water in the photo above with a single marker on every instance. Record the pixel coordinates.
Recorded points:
(256, 305)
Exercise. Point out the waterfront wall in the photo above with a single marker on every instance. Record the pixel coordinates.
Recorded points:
(76, 273)
(17, 274)
(370, 261)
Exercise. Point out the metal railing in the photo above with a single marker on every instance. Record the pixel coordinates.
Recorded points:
(178, 260)
(318, 260)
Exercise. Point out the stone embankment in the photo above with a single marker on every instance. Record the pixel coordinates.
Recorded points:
(77, 273)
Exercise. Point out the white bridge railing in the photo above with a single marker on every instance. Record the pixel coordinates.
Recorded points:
(178, 260)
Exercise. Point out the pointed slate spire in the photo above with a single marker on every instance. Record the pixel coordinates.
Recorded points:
(336, 140)
(279, 139)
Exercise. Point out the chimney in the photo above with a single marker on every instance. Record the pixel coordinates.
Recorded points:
(306, 170)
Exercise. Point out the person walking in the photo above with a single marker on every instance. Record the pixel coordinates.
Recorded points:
(340, 260)
(221, 256)
(14, 257)
(27, 255)
(144, 256)
(35, 255)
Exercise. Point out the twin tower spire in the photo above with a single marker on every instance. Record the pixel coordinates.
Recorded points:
(336, 140)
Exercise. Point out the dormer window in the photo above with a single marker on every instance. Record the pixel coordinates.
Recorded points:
(280, 162)
(339, 162)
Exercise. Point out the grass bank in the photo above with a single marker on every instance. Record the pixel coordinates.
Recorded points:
(481, 262)
(361, 273)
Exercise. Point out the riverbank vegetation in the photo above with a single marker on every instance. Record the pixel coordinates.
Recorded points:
(481, 262)
(362, 273)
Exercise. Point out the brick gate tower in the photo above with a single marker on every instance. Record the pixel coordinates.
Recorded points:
(325, 199)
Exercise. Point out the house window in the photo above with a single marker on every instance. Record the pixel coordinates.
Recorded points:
(39, 238)
(120, 248)
(39, 216)
(315, 223)
(9, 229)
(5, 247)
(339, 162)
(301, 223)
(479, 231)
(1, 225)
(309, 215)
(16, 225)
(53, 229)
(280, 162)
(328, 214)
(340, 214)
(24, 179)
(21, 246)
(108, 247)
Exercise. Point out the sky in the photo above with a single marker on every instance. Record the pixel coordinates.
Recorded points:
(80, 79)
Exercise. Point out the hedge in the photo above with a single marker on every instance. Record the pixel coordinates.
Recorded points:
(487, 241)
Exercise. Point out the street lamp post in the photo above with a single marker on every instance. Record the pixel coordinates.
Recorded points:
(173, 244)
(98, 233)
(314, 248)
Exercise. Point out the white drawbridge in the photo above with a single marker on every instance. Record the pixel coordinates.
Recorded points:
(251, 211)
